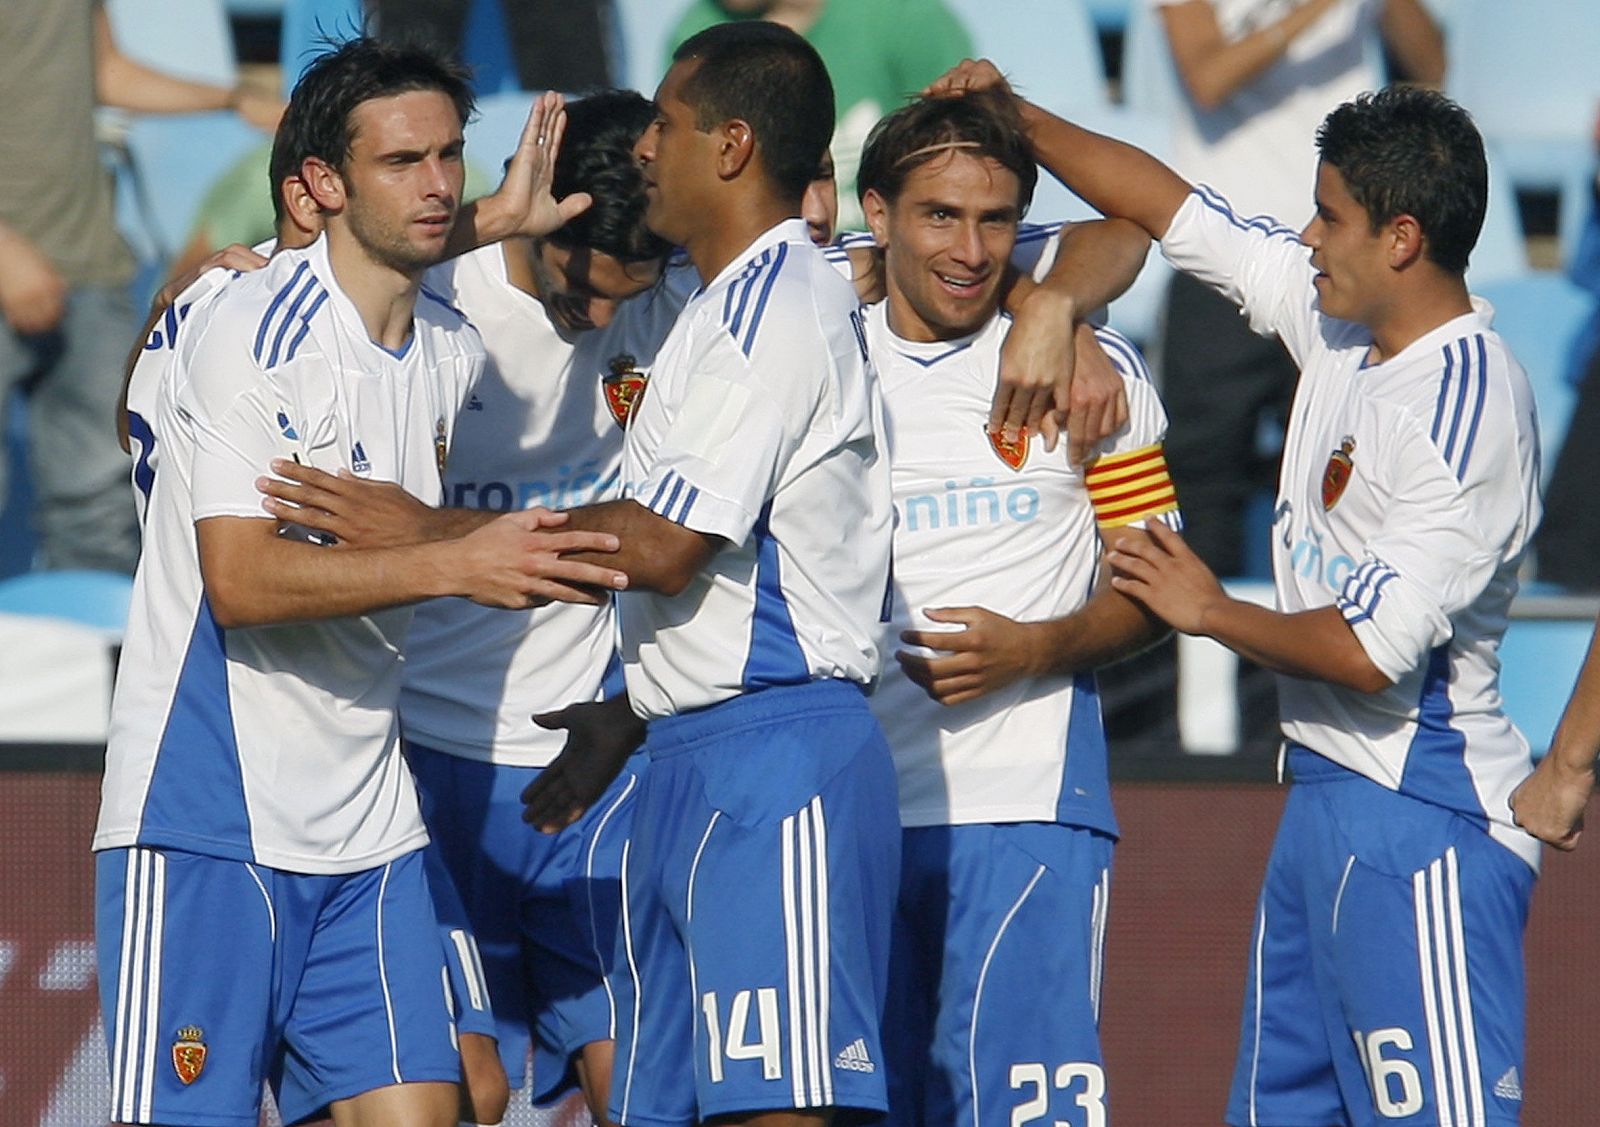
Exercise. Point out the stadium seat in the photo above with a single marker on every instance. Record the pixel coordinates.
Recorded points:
(1540, 316)
(1539, 662)
(1048, 49)
(187, 38)
(1111, 15)
(645, 27)
(1526, 72)
(173, 161)
(306, 23)
(486, 50)
(98, 599)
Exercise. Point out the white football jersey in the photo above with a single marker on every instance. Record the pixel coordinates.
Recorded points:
(144, 381)
(1011, 528)
(1408, 493)
(275, 744)
(543, 427)
(762, 426)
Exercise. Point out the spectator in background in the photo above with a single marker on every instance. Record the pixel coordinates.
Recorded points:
(555, 44)
(66, 318)
(878, 53)
(1257, 78)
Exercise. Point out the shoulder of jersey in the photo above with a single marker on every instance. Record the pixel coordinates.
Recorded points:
(1461, 393)
(776, 298)
(268, 312)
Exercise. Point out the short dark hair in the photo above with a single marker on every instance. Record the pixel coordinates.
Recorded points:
(1406, 150)
(340, 79)
(982, 123)
(289, 151)
(597, 157)
(765, 74)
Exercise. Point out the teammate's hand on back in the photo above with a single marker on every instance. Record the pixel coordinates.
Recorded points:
(968, 75)
(234, 256)
(1549, 803)
(990, 653)
(600, 737)
(516, 561)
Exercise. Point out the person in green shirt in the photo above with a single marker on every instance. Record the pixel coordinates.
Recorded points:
(878, 53)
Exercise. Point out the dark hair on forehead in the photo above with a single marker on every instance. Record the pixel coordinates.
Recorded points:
(1406, 150)
(597, 157)
(323, 103)
(981, 123)
(764, 74)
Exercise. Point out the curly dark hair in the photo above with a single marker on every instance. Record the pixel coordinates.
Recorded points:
(597, 157)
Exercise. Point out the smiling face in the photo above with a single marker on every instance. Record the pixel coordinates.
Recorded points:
(1351, 259)
(402, 178)
(946, 237)
(679, 160)
(581, 288)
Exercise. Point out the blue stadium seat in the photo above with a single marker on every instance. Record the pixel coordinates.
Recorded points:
(1540, 316)
(486, 49)
(1539, 662)
(306, 23)
(174, 159)
(1527, 73)
(1048, 48)
(188, 38)
(645, 27)
(91, 598)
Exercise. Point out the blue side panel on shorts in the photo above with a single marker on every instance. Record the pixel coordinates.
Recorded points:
(1085, 782)
(775, 655)
(196, 799)
(1436, 767)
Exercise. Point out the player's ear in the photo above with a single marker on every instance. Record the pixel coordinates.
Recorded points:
(737, 144)
(876, 209)
(1406, 241)
(324, 184)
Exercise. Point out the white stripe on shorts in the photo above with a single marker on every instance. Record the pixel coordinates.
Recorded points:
(133, 1055)
(1446, 994)
(633, 972)
(383, 982)
(977, 998)
(594, 928)
(804, 863)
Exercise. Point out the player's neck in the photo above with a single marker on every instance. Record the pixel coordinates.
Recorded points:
(384, 297)
(1416, 313)
(731, 230)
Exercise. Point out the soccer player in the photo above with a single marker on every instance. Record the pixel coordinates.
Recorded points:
(262, 910)
(992, 714)
(758, 880)
(571, 323)
(1397, 890)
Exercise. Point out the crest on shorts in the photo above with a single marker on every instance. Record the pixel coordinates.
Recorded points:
(623, 385)
(1011, 453)
(441, 445)
(1336, 474)
(189, 1053)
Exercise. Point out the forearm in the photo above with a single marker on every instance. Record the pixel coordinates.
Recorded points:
(128, 85)
(1114, 178)
(1108, 628)
(1415, 39)
(262, 579)
(483, 221)
(1213, 68)
(1577, 737)
(655, 553)
(1315, 645)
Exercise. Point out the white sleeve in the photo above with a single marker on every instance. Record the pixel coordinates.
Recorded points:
(1256, 262)
(233, 414)
(1036, 248)
(731, 435)
(1433, 556)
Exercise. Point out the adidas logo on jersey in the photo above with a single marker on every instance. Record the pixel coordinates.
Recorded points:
(1509, 1086)
(358, 460)
(855, 1058)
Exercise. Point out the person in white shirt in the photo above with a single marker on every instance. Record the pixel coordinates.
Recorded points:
(993, 713)
(1397, 891)
(262, 910)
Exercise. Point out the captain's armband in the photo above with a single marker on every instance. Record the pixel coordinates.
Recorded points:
(1131, 487)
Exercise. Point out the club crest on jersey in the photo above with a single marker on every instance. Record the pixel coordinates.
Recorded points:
(189, 1053)
(1012, 454)
(1336, 474)
(440, 445)
(623, 386)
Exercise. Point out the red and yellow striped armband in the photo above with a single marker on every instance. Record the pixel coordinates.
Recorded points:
(1129, 487)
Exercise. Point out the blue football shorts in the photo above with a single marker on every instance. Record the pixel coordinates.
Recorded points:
(469, 988)
(757, 892)
(1385, 981)
(543, 908)
(994, 977)
(217, 975)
